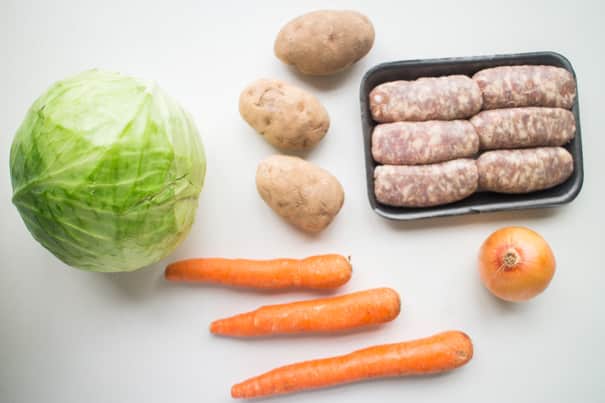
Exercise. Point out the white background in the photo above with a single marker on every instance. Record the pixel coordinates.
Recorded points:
(72, 336)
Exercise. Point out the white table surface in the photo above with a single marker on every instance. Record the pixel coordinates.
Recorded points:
(72, 336)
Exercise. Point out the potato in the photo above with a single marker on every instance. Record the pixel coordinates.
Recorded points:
(289, 118)
(324, 42)
(299, 191)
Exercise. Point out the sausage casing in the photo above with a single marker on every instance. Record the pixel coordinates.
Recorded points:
(513, 86)
(411, 143)
(524, 127)
(427, 98)
(425, 185)
(524, 171)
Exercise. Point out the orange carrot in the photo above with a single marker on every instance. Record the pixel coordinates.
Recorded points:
(343, 312)
(318, 272)
(441, 352)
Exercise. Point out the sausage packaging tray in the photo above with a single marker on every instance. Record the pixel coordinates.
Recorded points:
(482, 201)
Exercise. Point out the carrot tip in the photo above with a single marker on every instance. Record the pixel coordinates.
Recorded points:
(215, 327)
(170, 272)
(236, 392)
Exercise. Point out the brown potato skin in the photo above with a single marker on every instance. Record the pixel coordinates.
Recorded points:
(325, 42)
(288, 117)
(306, 195)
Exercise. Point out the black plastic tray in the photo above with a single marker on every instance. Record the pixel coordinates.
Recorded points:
(483, 201)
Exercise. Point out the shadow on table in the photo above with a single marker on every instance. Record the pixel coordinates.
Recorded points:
(336, 390)
(149, 282)
(498, 219)
(139, 284)
(329, 82)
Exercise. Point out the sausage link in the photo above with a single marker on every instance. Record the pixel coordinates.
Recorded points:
(524, 127)
(512, 86)
(411, 143)
(524, 171)
(428, 98)
(425, 185)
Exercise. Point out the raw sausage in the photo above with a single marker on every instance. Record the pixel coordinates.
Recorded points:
(511, 86)
(524, 127)
(524, 171)
(427, 98)
(425, 185)
(411, 143)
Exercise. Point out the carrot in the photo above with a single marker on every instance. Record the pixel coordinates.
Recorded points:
(343, 312)
(441, 352)
(317, 272)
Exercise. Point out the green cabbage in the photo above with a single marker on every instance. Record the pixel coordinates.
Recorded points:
(106, 172)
